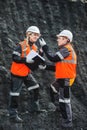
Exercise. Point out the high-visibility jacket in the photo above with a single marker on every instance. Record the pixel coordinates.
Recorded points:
(67, 67)
(20, 69)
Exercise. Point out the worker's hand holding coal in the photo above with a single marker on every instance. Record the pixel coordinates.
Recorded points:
(29, 60)
(42, 42)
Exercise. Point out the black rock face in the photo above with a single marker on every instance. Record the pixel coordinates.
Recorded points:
(51, 17)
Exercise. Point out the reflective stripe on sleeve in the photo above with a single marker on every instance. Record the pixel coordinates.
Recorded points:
(33, 87)
(65, 100)
(16, 53)
(60, 55)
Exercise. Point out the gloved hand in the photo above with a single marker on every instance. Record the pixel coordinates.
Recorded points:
(42, 67)
(29, 60)
(42, 42)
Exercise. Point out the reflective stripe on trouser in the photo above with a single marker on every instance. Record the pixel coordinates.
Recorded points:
(31, 82)
(65, 105)
(33, 86)
(14, 94)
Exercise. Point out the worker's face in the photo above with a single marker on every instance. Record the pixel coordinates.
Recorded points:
(33, 37)
(62, 41)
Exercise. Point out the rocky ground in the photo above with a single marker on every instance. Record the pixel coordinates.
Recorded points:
(51, 16)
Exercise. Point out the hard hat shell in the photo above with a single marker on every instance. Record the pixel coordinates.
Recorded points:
(33, 29)
(66, 33)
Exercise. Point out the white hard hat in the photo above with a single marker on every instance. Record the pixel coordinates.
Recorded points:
(33, 29)
(66, 33)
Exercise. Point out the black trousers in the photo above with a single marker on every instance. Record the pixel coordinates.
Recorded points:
(16, 87)
(61, 88)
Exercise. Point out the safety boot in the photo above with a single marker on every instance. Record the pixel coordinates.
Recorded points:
(16, 119)
(66, 123)
(13, 116)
